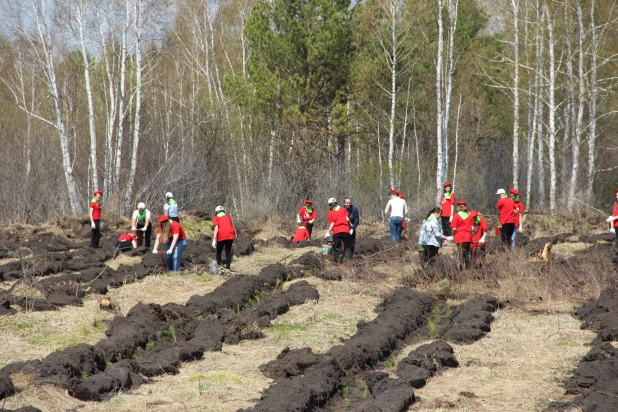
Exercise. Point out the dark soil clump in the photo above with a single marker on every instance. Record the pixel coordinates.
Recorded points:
(291, 363)
(469, 321)
(425, 361)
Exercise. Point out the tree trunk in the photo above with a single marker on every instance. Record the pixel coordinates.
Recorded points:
(515, 7)
(592, 130)
(552, 115)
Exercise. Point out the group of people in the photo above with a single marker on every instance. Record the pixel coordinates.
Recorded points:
(170, 233)
(468, 229)
(342, 221)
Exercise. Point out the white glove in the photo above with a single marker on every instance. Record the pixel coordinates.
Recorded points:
(101, 225)
(610, 219)
(298, 220)
(482, 239)
(169, 251)
(449, 238)
(520, 230)
(327, 234)
(351, 231)
(93, 225)
(133, 228)
(214, 243)
(144, 229)
(311, 221)
(612, 230)
(450, 219)
(155, 251)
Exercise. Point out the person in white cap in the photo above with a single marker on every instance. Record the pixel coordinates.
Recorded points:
(339, 226)
(506, 208)
(170, 208)
(223, 236)
(142, 224)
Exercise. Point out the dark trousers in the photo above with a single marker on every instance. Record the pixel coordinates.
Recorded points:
(506, 233)
(227, 244)
(339, 244)
(429, 252)
(95, 237)
(350, 246)
(446, 226)
(125, 245)
(463, 255)
(477, 255)
(143, 238)
(309, 228)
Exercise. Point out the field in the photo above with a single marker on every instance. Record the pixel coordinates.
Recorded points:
(288, 330)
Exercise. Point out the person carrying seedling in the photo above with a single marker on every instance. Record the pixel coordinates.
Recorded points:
(339, 227)
(141, 224)
(95, 219)
(175, 239)
(301, 234)
(462, 234)
(506, 215)
(479, 230)
(307, 214)
(398, 210)
(448, 208)
(520, 216)
(126, 242)
(223, 236)
(612, 219)
(170, 208)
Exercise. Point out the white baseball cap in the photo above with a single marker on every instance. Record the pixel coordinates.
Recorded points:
(332, 200)
(141, 205)
(168, 195)
(219, 209)
(500, 192)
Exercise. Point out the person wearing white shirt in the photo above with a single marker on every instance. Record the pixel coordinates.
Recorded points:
(398, 210)
(142, 225)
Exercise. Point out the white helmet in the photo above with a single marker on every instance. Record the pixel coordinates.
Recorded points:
(332, 200)
(219, 209)
(169, 195)
(141, 206)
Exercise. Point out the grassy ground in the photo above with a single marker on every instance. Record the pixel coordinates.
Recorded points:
(518, 366)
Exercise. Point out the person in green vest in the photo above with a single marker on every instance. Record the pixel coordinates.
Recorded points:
(141, 223)
(170, 208)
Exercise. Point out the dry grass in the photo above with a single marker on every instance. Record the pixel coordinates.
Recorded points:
(122, 259)
(518, 366)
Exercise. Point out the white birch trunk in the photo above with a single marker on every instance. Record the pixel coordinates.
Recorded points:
(539, 114)
(440, 173)
(515, 8)
(592, 130)
(123, 95)
(579, 125)
(457, 140)
(393, 11)
(552, 115)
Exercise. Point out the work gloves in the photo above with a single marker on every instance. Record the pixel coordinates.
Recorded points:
(214, 243)
(450, 219)
(482, 240)
(144, 229)
(610, 219)
(311, 221)
(520, 230)
(327, 234)
(93, 225)
(612, 230)
(169, 251)
(449, 238)
(351, 231)
(298, 220)
(155, 251)
(133, 228)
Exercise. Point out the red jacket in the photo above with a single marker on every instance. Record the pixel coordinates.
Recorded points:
(339, 216)
(478, 230)
(446, 205)
(506, 206)
(174, 229)
(519, 204)
(226, 228)
(463, 227)
(301, 235)
(305, 215)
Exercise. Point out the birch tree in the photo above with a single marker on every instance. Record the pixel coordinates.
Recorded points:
(515, 10)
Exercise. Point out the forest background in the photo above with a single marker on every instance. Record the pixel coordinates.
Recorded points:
(258, 105)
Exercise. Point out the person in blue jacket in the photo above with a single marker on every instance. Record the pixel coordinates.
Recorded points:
(354, 221)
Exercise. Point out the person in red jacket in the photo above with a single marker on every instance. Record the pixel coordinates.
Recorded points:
(339, 227)
(224, 235)
(126, 242)
(448, 208)
(479, 231)
(462, 233)
(612, 219)
(95, 219)
(506, 215)
(175, 240)
(307, 214)
(520, 217)
(301, 234)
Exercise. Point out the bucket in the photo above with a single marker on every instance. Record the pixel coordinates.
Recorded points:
(327, 249)
(498, 231)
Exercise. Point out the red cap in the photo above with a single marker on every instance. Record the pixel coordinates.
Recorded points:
(401, 195)
(308, 202)
(474, 213)
(163, 219)
(616, 190)
(394, 192)
(447, 184)
(462, 203)
(98, 192)
(515, 192)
